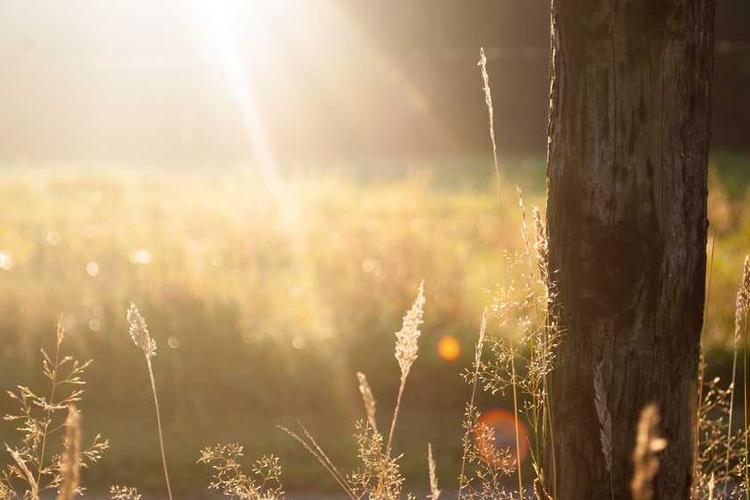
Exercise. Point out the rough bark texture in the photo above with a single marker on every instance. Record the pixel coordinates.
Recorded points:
(627, 162)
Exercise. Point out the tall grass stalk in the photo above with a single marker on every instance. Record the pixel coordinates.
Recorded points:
(406, 352)
(142, 339)
(491, 118)
(498, 181)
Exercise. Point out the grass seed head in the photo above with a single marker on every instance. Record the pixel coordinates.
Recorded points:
(406, 338)
(139, 332)
(367, 399)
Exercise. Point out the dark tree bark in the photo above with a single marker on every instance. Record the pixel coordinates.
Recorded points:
(627, 180)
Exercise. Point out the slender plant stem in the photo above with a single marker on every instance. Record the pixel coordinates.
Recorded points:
(515, 419)
(474, 380)
(158, 425)
(48, 418)
(395, 416)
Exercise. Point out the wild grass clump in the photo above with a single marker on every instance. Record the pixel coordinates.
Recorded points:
(521, 353)
(124, 493)
(41, 459)
(721, 459)
(262, 482)
(378, 475)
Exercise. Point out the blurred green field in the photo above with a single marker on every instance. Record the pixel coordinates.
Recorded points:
(265, 298)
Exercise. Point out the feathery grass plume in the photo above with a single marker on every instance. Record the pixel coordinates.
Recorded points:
(406, 338)
(142, 339)
(70, 464)
(262, 483)
(367, 399)
(33, 471)
(431, 466)
(482, 63)
(645, 461)
(124, 493)
(406, 351)
(139, 332)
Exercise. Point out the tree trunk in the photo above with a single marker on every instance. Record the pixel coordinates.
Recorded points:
(627, 179)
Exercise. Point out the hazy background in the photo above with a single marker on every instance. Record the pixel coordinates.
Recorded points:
(162, 83)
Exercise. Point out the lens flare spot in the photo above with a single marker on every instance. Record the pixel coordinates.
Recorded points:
(298, 342)
(141, 256)
(92, 269)
(448, 348)
(495, 437)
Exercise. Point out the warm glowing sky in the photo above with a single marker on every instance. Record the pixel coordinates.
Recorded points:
(124, 77)
(173, 82)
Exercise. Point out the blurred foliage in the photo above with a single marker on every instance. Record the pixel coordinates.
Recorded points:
(264, 299)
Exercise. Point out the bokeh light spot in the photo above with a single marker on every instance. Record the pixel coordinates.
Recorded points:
(298, 342)
(141, 256)
(448, 348)
(502, 424)
(53, 238)
(92, 269)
